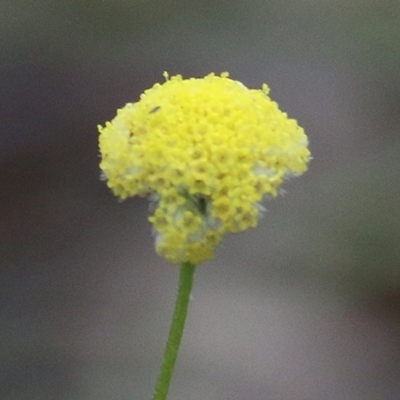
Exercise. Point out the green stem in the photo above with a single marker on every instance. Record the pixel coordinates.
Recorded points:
(175, 332)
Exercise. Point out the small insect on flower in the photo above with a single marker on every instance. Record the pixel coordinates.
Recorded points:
(205, 163)
(154, 110)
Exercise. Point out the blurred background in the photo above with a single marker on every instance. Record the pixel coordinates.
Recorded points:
(306, 306)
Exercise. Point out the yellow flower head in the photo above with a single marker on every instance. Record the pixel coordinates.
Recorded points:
(205, 152)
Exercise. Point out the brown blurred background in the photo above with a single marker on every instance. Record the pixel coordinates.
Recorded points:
(306, 306)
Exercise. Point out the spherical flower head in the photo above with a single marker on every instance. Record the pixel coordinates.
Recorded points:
(205, 152)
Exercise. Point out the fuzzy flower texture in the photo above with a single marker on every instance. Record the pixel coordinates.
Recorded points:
(205, 152)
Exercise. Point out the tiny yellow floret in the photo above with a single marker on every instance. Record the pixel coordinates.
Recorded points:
(205, 152)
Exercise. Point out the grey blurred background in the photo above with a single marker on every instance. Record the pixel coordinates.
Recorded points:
(306, 306)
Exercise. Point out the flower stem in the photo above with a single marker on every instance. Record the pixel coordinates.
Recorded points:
(175, 332)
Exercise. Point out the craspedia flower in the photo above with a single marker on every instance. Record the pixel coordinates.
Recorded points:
(205, 152)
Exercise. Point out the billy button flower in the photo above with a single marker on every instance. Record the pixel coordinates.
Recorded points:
(210, 147)
(205, 152)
